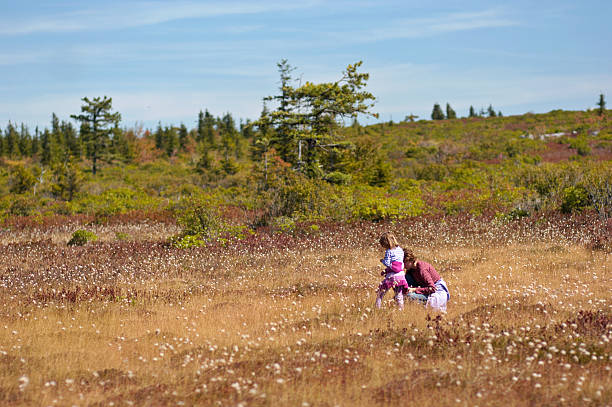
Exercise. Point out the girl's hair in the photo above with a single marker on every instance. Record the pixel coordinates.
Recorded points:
(388, 241)
(409, 256)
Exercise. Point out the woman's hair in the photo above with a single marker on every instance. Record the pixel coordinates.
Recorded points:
(409, 256)
(388, 240)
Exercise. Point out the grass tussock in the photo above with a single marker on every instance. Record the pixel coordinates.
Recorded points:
(288, 319)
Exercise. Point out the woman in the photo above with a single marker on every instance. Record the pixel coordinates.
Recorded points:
(425, 283)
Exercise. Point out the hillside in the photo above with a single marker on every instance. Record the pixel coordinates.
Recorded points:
(509, 166)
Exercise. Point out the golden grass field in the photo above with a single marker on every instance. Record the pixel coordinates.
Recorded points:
(288, 320)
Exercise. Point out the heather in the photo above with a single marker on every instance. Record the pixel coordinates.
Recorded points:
(287, 317)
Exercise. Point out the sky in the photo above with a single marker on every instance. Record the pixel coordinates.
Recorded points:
(165, 61)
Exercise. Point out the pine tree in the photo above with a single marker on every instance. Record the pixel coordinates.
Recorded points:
(309, 116)
(96, 119)
(25, 141)
(51, 152)
(601, 104)
(159, 137)
(11, 139)
(35, 146)
(472, 112)
(284, 139)
(200, 127)
(72, 143)
(170, 141)
(182, 137)
(67, 180)
(229, 137)
(490, 111)
(437, 113)
(450, 113)
(206, 128)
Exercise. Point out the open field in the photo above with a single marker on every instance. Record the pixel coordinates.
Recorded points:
(288, 319)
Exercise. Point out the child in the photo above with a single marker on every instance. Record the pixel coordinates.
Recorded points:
(394, 271)
(429, 288)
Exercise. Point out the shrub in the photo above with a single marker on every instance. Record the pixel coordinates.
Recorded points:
(199, 220)
(338, 178)
(581, 145)
(23, 179)
(115, 201)
(81, 237)
(375, 204)
(22, 205)
(574, 198)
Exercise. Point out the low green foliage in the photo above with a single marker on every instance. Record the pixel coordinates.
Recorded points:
(116, 201)
(574, 198)
(81, 237)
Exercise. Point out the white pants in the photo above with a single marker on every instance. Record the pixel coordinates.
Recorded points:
(438, 299)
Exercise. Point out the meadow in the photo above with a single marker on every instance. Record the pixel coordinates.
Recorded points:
(287, 317)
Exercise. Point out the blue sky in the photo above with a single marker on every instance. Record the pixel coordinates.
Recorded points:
(167, 60)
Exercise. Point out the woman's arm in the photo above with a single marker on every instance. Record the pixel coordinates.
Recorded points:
(425, 281)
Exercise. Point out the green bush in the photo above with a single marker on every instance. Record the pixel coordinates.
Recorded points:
(376, 204)
(81, 237)
(581, 145)
(23, 205)
(574, 198)
(23, 179)
(115, 201)
(338, 178)
(199, 220)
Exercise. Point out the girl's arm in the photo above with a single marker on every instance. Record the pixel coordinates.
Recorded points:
(387, 259)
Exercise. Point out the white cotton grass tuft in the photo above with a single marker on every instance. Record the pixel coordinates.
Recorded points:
(23, 382)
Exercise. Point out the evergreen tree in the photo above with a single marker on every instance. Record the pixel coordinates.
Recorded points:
(67, 180)
(437, 113)
(50, 151)
(450, 113)
(22, 179)
(601, 104)
(310, 114)
(159, 137)
(229, 136)
(72, 143)
(182, 137)
(490, 111)
(200, 127)
(2, 144)
(57, 138)
(11, 139)
(25, 141)
(284, 139)
(206, 128)
(124, 144)
(246, 129)
(170, 141)
(472, 112)
(35, 147)
(96, 119)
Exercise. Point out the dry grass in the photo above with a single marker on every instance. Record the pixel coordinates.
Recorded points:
(289, 320)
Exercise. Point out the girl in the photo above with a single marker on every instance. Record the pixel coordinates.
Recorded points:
(429, 287)
(394, 271)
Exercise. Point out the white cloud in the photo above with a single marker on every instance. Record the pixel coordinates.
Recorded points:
(431, 26)
(136, 14)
